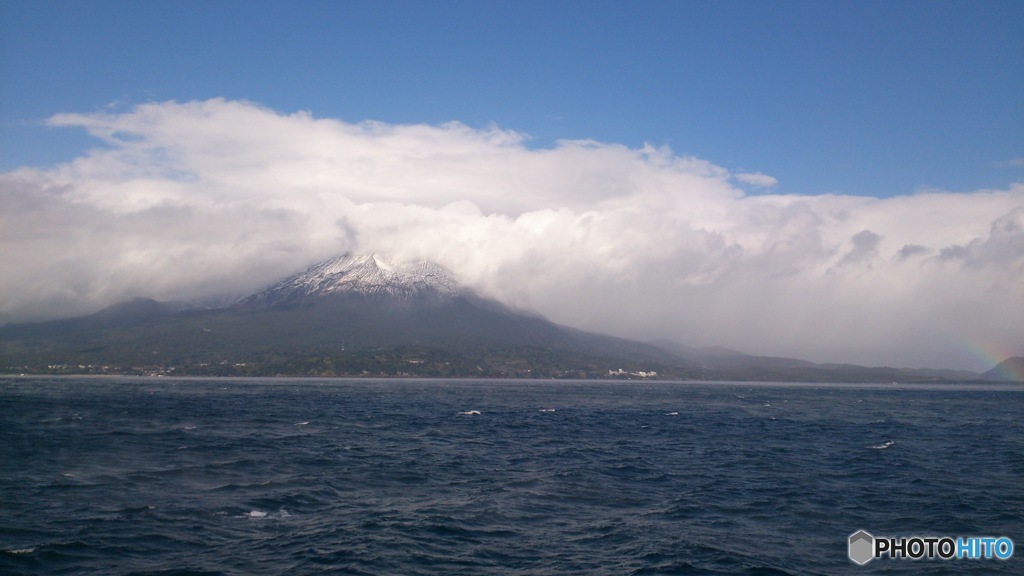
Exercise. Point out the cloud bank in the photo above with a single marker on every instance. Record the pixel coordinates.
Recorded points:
(201, 199)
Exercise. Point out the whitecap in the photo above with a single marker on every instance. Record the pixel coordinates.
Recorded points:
(21, 551)
(262, 515)
(470, 413)
(672, 414)
(883, 445)
(547, 409)
(301, 423)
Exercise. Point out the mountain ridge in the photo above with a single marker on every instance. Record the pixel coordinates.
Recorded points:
(1009, 370)
(366, 314)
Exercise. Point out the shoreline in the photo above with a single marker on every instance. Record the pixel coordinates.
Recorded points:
(975, 385)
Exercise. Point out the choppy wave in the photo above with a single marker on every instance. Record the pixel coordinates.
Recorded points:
(122, 477)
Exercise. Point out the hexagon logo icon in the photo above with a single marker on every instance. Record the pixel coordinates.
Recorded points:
(862, 547)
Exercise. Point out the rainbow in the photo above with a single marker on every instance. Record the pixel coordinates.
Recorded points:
(1013, 371)
(991, 355)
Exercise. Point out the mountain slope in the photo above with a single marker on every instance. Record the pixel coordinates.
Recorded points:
(725, 364)
(718, 357)
(361, 315)
(119, 316)
(1009, 370)
(352, 315)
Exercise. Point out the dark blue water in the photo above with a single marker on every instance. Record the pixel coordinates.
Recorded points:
(405, 477)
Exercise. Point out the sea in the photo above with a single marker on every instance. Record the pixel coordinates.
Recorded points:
(160, 476)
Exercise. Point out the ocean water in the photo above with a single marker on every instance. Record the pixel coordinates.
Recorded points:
(173, 477)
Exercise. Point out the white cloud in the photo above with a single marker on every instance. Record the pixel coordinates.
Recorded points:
(201, 198)
(756, 179)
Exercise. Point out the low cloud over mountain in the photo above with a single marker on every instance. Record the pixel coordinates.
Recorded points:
(196, 200)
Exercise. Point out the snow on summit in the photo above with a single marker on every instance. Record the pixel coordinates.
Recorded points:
(367, 274)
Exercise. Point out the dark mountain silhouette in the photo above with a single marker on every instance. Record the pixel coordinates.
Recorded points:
(362, 315)
(1009, 370)
(352, 315)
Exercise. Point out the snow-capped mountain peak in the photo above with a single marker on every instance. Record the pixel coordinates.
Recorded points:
(367, 274)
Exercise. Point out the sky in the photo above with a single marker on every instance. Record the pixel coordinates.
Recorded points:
(834, 181)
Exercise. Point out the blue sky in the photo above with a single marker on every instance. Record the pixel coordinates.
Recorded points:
(866, 98)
